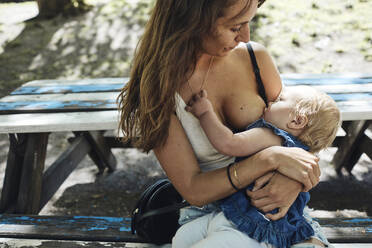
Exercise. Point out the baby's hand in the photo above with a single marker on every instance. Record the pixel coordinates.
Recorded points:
(199, 104)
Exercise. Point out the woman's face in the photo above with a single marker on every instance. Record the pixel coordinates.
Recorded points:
(230, 29)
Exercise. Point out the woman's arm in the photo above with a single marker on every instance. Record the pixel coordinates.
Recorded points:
(247, 142)
(177, 159)
(222, 138)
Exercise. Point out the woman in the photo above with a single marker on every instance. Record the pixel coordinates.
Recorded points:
(193, 45)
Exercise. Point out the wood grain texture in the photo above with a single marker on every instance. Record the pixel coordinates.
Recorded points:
(109, 229)
(117, 229)
(13, 171)
(39, 243)
(345, 154)
(22, 243)
(353, 93)
(58, 172)
(29, 193)
(59, 122)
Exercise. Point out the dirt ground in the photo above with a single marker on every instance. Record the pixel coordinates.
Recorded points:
(333, 36)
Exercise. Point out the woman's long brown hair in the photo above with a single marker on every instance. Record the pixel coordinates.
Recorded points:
(163, 60)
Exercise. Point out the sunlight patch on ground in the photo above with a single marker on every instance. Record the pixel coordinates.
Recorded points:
(104, 32)
(12, 25)
(338, 28)
(25, 11)
(345, 213)
(12, 31)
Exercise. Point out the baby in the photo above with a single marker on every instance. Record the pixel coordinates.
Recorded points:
(301, 117)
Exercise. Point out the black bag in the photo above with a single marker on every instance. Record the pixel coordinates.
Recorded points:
(155, 216)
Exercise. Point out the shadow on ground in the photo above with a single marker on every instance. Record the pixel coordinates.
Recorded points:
(115, 194)
(98, 43)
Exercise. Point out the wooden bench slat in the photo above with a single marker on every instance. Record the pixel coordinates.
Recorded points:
(42, 243)
(326, 79)
(56, 106)
(35, 90)
(354, 114)
(58, 103)
(21, 243)
(96, 96)
(111, 96)
(353, 245)
(345, 88)
(355, 110)
(327, 75)
(117, 229)
(87, 81)
(111, 229)
(339, 97)
(59, 122)
(347, 230)
(107, 120)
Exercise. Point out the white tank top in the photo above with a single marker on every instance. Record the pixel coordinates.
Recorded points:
(208, 157)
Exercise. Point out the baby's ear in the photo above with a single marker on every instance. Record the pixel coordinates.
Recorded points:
(298, 122)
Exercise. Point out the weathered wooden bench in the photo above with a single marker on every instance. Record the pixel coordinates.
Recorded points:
(90, 231)
(87, 108)
(30, 113)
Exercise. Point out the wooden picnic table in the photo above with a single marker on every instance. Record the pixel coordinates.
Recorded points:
(88, 109)
(30, 113)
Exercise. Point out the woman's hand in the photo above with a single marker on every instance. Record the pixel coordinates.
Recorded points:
(279, 192)
(297, 164)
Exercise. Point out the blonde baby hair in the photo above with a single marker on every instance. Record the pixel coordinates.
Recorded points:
(324, 119)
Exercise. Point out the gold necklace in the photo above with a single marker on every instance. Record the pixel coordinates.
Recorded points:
(205, 77)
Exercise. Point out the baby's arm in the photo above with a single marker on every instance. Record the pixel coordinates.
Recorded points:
(222, 138)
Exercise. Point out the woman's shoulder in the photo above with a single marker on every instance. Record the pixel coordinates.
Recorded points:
(260, 51)
(268, 70)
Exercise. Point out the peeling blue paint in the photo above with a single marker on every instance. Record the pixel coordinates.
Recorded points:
(351, 96)
(326, 81)
(96, 228)
(358, 220)
(27, 105)
(24, 218)
(35, 90)
(85, 224)
(125, 229)
(109, 219)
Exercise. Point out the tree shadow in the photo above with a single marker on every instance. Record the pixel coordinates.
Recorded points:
(99, 43)
(111, 194)
(339, 193)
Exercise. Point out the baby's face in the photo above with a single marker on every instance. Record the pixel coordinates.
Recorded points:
(280, 112)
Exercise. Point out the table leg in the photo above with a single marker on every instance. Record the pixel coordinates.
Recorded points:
(348, 152)
(30, 186)
(12, 178)
(58, 172)
(100, 153)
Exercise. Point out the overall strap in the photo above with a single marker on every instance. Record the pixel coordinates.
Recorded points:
(261, 88)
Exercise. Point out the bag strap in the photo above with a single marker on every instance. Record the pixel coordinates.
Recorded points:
(256, 69)
(163, 210)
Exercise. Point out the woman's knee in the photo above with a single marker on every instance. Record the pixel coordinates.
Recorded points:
(180, 238)
(187, 235)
